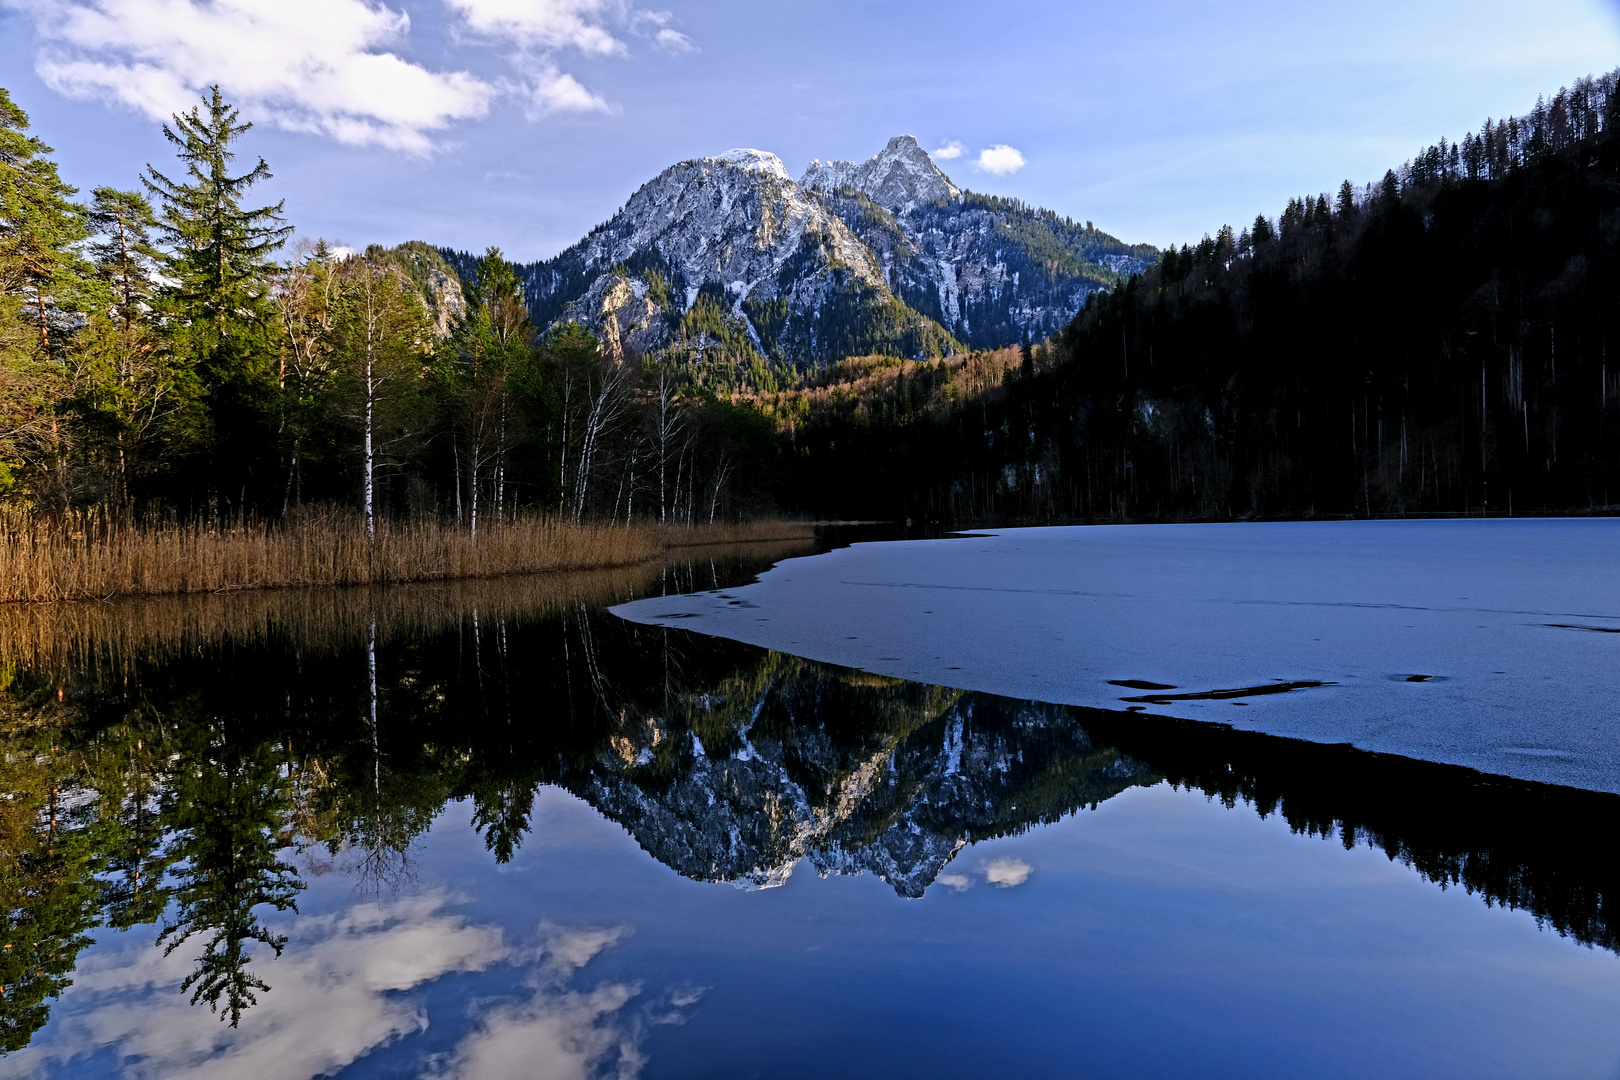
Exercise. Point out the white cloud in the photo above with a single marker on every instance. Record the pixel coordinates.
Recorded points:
(547, 24)
(673, 42)
(659, 25)
(1007, 873)
(586, 26)
(542, 28)
(1001, 160)
(950, 151)
(332, 998)
(319, 66)
(955, 882)
(547, 90)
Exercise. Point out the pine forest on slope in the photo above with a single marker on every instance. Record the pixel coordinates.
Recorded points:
(1435, 343)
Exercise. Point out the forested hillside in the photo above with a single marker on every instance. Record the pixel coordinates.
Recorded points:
(1436, 342)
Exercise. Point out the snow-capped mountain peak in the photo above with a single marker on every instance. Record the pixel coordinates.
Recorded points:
(897, 178)
(759, 161)
(885, 255)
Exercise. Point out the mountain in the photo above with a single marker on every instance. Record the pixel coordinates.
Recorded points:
(730, 253)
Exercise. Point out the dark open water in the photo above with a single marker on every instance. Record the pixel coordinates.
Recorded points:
(497, 832)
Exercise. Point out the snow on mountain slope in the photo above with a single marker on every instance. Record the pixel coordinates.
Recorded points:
(882, 255)
(898, 178)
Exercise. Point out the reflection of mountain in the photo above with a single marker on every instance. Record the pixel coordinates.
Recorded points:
(139, 773)
(934, 771)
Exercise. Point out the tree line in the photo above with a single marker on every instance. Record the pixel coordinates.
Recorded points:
(1434, 343)
(168, 349)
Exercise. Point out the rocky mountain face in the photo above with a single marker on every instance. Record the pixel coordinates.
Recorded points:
(437, 280)
(885, 255)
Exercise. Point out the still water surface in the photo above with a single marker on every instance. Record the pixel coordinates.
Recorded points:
(495, 831)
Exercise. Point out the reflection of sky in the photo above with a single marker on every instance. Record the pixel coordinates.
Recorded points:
(1161, 935)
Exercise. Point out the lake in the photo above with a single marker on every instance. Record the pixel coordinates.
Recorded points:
(494, 829)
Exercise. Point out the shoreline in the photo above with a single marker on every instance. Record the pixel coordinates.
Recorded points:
(87, 558)
(1484, 644)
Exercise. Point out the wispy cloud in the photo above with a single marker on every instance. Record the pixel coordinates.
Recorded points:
(547, 89)
(332, 67)
(950, 151)
(547, 24)
(320, 66)
(1001, 160)
(660, 27)
(540, 30)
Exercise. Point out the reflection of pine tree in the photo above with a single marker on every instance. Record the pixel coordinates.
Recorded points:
(226, 809)
(47, 892)
(129, 769)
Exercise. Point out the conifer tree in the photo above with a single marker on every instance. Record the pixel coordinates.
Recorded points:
(221, 251)
(137, 400)
(40, 269)
(124, 255)
(39, 222)
(220, 256)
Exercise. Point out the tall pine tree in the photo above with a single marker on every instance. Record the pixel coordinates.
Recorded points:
(220, 259)
(41, 272)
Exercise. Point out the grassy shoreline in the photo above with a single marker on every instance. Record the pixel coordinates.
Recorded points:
(89, 557)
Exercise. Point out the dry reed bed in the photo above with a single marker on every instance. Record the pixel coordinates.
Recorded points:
(87, 557)
(108, 636)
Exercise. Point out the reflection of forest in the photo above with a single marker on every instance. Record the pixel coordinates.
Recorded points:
(189, 773)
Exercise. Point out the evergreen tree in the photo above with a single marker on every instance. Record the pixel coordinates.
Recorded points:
(137, 402)
(227, 813)
(220, 254)
(39, 223)
(124, 255)
(40, 270)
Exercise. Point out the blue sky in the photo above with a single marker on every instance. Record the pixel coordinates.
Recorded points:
(525, 122)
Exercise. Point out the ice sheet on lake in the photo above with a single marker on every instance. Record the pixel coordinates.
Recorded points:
(1494, 645)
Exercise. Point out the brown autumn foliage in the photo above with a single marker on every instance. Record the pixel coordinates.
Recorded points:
(92, 556)
(879, 389)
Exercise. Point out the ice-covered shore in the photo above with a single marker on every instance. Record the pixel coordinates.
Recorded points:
(1488, 644)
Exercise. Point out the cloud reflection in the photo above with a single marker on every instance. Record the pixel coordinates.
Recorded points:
(1007, 873)
(563, 1033)
(331, 1002)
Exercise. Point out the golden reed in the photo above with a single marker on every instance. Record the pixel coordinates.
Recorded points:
(91, 556)
(56, 637)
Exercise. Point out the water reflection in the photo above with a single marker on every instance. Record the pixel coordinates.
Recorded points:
(189, 767)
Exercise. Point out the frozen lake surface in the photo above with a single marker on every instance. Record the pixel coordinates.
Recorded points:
(1488, 644)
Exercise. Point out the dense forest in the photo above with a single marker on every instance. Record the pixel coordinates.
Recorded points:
(1436, 342)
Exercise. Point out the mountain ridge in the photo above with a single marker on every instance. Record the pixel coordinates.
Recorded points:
(882, 256)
